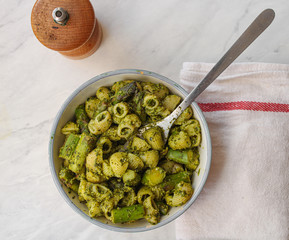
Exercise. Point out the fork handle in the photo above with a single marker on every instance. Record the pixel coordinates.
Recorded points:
(251, 33)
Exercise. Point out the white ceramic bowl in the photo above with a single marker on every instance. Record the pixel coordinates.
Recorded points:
(66, 113)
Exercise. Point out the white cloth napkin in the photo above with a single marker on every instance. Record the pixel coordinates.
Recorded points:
(246, 195)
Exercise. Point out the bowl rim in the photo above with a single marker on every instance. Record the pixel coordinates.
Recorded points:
(55, 176)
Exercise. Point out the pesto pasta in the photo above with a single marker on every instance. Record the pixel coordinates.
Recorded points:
(118, 174)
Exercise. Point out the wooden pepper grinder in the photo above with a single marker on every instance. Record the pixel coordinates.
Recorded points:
(67, 26)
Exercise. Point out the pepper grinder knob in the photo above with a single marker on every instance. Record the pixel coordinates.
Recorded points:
(67, 26)
(60, 16)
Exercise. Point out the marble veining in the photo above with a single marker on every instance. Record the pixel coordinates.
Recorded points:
(35, 81)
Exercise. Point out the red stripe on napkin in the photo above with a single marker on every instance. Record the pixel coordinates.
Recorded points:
(244, 105)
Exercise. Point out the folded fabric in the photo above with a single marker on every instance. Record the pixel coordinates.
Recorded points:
(246, 195)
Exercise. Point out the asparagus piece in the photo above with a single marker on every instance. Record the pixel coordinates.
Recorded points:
(137, 106)
(81, 118)
(84, 146)
(128, 214)
(69, 146)
(69, 180)
(184, 157)
(125, 92)
(171, 181)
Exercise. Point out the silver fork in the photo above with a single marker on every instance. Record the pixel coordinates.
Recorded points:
(251, 33)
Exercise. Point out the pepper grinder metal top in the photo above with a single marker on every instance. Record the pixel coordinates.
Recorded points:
(60, 16)
(67, 26)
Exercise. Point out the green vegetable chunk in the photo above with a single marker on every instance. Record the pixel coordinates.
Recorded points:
(184, 157)
(171, 181)
(81, 118)
(84, 146)
(69, 146)
(128, 214)
(69, 179)
(125, 92)
(131, 178)
(137, 106)
(153, 176)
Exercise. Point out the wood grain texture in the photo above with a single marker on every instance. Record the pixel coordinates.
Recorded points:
(78, 37)
(89, 47)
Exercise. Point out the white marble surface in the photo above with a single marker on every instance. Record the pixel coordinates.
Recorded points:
(34, 82)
